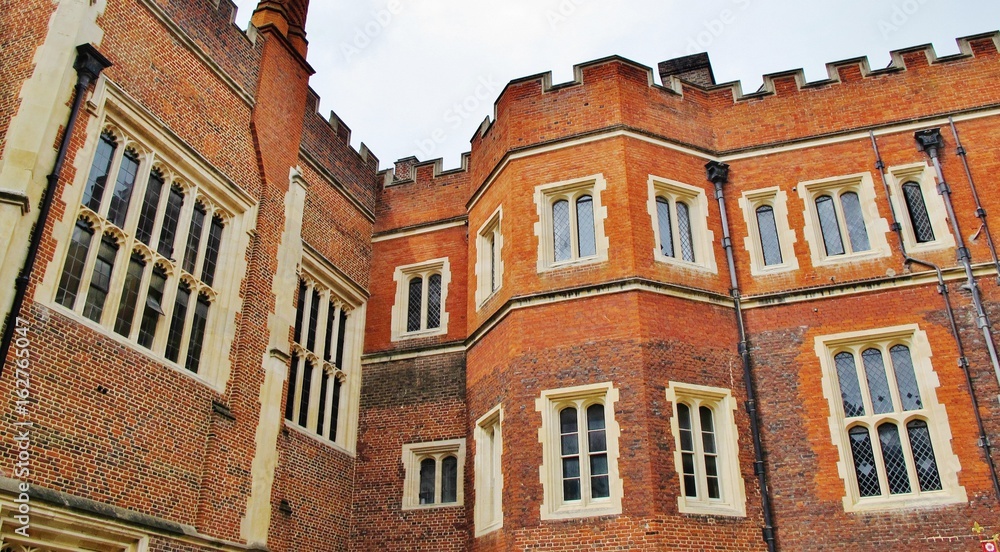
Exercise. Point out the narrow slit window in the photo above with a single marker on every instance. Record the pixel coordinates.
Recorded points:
(176, 332)
(665, 227)
(710, 452)
(449, 480)
(324, 385)
(855, 222)
(100, 282)
(434, 301)
(152, 310)
(586, 237)
(122, 194)
(150, 205)
(171, 217)
(414, 307)
(335, 408)
(684, 231)
(923, 456)
(850, 389)
(76, 258)
(597, 448)
(313, 320)
(293, 369)
(895, 460)
(194, 238)
(878, 382)
(341, 339)
(864, 461)
(304, 396)
(768, 229)
(299, 311)
(689, 479)
(331, 318)
(212, 248)
(906, 379)
(197, 340)
(923, 231)
(570, 449)
(561, 232)
(829, 226)
(428, 467)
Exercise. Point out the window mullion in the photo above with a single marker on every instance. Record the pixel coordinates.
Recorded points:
(700, 472)
(583, 440)
(438, 464)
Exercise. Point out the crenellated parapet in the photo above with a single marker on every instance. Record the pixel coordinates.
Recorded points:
(418, 192)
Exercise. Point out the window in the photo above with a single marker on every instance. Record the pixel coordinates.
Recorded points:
(114, 277)
(580, 452)
(706, 451)
(892, 434)
(769, 239)
(434, 474)
(421, 296)
(919, 208)
(489, 261)
(325, 357)
(570, 226)
(56, 530)
(488, 473)
(842, 219)
(680, 224)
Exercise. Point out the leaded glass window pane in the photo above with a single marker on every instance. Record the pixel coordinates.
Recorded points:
(212, 251)
(906, 379)
(194, 238)
(768, 229)
(150, 204)
(665, 227)
(123, 188)
(153, 309)
(341, 339)
(923, 456)
(324, 382)
(427, 469)
(99, 170)
(313, 320)
(176, 332)
(829, 226)
(561, 231)
(307, 376)
(100, 282)
(586, 240)
(855, 222)
(76, 258)
(570, 453)
(331, 320)
(413, 304)
(335, 408)
(130, 294)
(684, 231)
(878, 384)
(434, 301)
(850, 389)
(171, 216)
(449, 480)
(711, 452)
(864, 462)
(690, 485)
(293, 372)
(597, 447)
(915, 206)
(895, 460)
(197, 339)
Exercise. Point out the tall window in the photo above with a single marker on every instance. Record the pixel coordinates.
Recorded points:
(433, 474)
(421, 295)
(769, 239)
(842, 221)
(890, 422)
(113, 276)
(767, 229)
(488, 473)
(571, 222)
(317, 375)
(584, 452)
(489, 263)
(920, 222)
(919, 207)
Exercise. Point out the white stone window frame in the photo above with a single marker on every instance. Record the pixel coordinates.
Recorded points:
(922, 174)
(732, 486)
(570, 190)
(56, 530)
(702, 239)
(400, 307)
(413, 454)
(933, 413)
(331, 287)
(135, 127)
(876, 226)
(549, 404)
(777, 199)
(488, 515)
(489, 267)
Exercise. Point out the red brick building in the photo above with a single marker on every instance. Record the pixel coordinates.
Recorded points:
(638, 317)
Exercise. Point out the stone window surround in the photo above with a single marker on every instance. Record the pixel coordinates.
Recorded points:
(413, 454)
(876, 226)
(493, 226)
(402, 276)
(489, 513)
(701, 237)
(922, 174)
(546, 195)
(777, 199)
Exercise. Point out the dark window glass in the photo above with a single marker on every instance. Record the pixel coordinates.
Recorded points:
(123, 188)
(829, 226)
(324, 383)
(711, 452)
(597, 447)
(855, 222)
(560, 231)
(427, 468)
(212, 251)
(923, 456)
(130, 294)
(341, 339)
(307, 376)
(768, 229)
(586, 240)
(689, 482)
(100, 282)
(293, 370)
(76, 258)
(171, 216)
(434, 301)
(915, 206)
(684, 231)
(153, 309)
(335, 408)
(313, 320)
(906, 380)
(99, 169)
(150, 204)
(176, 332)
(850, 389)
(493, 261)
(864, 461)
(878, 383)
(413, 306)
(449, 480)
(569, 437)
(299, 311)
(895, 460)
(331, 319)
(666, 228)
(197, 339)
(194, 238)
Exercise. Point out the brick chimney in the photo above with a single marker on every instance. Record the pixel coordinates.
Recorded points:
(288, 17)
(695, 68)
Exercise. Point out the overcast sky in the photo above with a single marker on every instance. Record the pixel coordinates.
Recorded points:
(401, 73)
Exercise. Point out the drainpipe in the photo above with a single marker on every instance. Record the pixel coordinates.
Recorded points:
(89, 64)
(718, 174)
(931, 142)
(942, 289)
(980, 212)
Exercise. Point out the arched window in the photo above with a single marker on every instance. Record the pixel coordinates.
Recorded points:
(768, 230)
(76, 258)
(561, 231)
(122, 195)
(428, 469)
(679, 239)
(100, 281)
(586, 244)
(449, 480)
(920, 222)
(414, 309)
(99, 170)
(665, 226)
(834, 219)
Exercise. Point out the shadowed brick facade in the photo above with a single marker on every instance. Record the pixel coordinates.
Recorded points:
(361, 333)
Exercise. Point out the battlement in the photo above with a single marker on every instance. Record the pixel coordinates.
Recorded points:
(412, 170)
